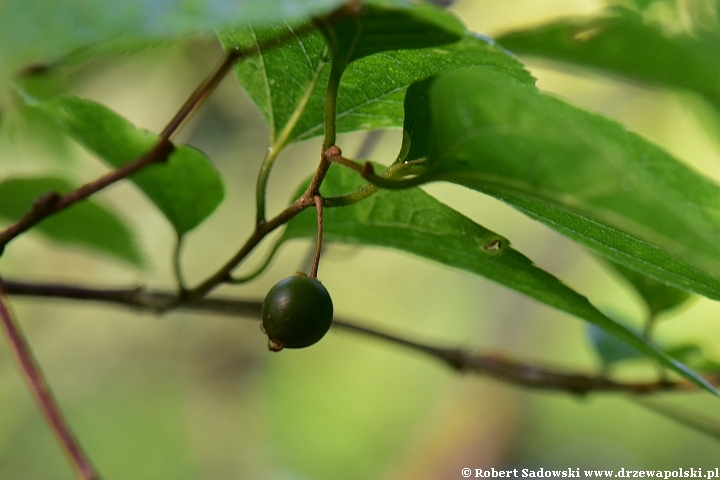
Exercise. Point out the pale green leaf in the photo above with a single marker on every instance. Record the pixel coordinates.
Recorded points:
(86, 224)
(42, 30)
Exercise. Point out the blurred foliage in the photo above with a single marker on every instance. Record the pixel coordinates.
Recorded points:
(194, 397)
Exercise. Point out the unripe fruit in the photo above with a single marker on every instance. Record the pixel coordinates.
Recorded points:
(296, 313)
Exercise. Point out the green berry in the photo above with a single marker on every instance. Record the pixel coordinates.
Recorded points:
(297, 312)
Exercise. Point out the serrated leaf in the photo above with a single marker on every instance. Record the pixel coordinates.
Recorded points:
(86, 224)
(579, 173)
(288, 84)
(658, 297)
(186, 188)
(414, 222)
(620, 43)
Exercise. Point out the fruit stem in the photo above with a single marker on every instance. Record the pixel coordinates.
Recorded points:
(318, 248)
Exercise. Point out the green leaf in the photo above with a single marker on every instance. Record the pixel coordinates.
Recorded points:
(658, 297)
(41, 30)
(186, 188)
(379, 29)
(620, 43)
(85, 224)
(692, 355)
(414, 222)
(579, 173)
(288, 84)
(610, 349)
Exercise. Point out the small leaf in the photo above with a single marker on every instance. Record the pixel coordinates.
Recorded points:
(287, 84)
(579, 173)
(658, 297)
(610, 349)
(85, 224)
(413, 221)
(620, 43)
(186, 188)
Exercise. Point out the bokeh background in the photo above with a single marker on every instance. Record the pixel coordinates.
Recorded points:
(191, 396)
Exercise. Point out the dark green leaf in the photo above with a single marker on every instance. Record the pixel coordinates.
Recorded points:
(288, 84)
(86, 224)
(581, 174)
(620, 43)
(414, 222)
(186, 188)
(380, 29)
(658, 296)
(610, 349)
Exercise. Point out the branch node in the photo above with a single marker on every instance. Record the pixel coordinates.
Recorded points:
(331, 152)
(45, 202)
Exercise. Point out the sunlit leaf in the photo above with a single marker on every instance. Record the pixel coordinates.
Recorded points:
(288, 84)
(579, 173)
(414, 222)
(186, 188)
(86, 224)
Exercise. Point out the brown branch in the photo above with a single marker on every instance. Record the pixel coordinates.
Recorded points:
(496, 366)
(53, 202)
(212, 81)
(262, 229)
(318, 246)
(43, 396)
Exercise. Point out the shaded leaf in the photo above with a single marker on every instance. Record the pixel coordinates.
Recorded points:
(414, 222)
(288, 84)
(579, 173)
(186, 188)
(86, 224)
(611, 349)
(658, 297)
(620, 43)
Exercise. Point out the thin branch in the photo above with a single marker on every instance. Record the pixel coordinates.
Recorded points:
(262, 229)
(496, 366)
(43, 396)
(52, 202)
(318, 245)
(212, 81)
